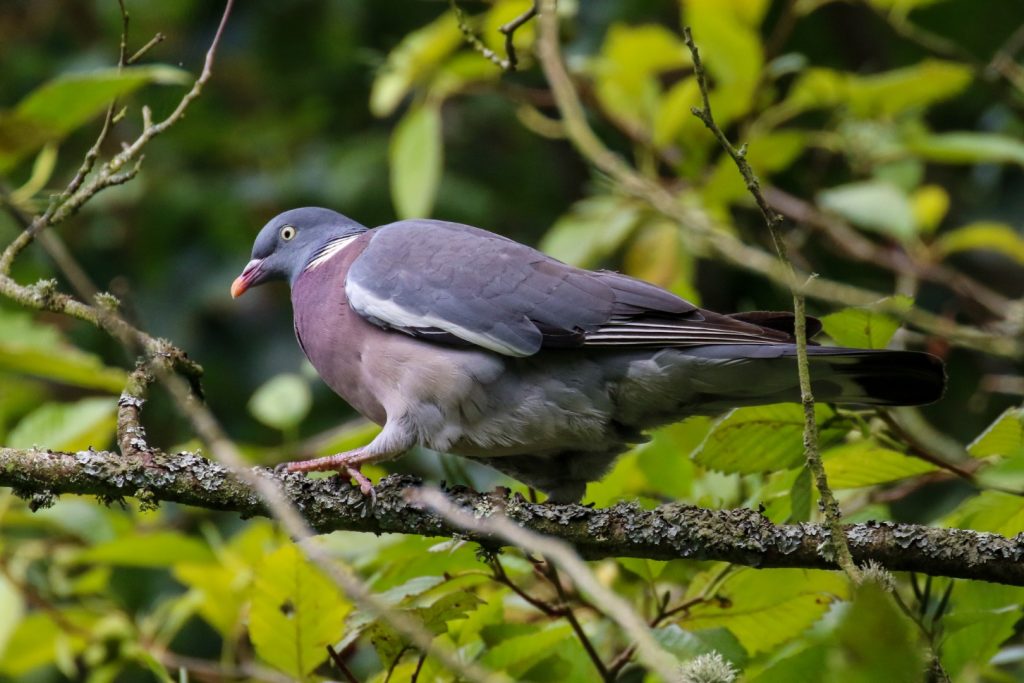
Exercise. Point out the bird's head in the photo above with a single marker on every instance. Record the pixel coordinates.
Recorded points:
(287, 244)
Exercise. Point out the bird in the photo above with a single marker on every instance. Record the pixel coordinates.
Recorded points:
(464, 341)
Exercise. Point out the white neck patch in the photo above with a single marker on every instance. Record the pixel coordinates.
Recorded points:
(332, 248)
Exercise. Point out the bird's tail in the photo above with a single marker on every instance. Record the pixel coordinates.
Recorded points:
(885, 378)
(760, 374)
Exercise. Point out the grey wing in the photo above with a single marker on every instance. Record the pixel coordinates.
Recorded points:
(458, 284)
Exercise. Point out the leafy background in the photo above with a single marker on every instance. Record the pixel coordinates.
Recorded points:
(381, 110)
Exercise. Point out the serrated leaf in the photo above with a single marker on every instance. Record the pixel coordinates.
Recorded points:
(872, 205)
(158, 549)
(61, 105)
(416, 158)
(988, 236)
(591, 231)
(1003, 437)
(865, 463)
(767, 607)
(296, 612)
(67, 426)
(282, 402)
(764, 438)
(968, 147)
(860, 328)
(981, 618)
(390, 644)
(31, 348)
(994, 511)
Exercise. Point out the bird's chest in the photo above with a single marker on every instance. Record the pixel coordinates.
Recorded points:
(336, 340)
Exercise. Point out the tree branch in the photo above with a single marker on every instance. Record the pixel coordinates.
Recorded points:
(667, 532)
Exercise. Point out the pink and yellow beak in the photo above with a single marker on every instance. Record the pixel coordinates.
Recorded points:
(245, 280)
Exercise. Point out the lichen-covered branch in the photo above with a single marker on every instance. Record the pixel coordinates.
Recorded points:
(667, 532)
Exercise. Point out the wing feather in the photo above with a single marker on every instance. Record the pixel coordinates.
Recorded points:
(455, 284)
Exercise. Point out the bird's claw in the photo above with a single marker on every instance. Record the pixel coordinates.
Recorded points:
(365, 485)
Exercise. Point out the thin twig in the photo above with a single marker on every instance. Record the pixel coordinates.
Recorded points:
(570, 616)
(772, 220)
(566, 558)
(509, 30)
(141, 52)
(339, 662)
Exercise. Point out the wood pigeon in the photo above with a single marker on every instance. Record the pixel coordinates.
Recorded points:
(463, 341)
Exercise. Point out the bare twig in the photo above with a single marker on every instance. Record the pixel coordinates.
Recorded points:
(570, 616)
(509, 31)
(772, 220)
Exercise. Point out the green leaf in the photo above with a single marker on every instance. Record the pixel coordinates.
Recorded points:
(418, 55)
(67, 426)
(296, 612)
(997, 237)
(158, 549)
(37, 639)
(282, 402)
(518, 654)
(592, 230)
(865, 463)
(877, 642)
(58, 107)
(12, 607)
(865, 328)
(884, 94)
(390, 644)
(764, 438)
(42, 170)
(995, 511)
(726, 32)
(968, 147)
(982, 618)
(1003, 437)
(764, 608)
(686, 645)
(416, 157)
(31, 348)
(627, 68)
(800, 497)
(872, 205)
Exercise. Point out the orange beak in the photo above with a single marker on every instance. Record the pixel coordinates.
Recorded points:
(245, 280)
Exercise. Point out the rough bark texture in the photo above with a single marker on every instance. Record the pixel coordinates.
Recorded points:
(625, 530)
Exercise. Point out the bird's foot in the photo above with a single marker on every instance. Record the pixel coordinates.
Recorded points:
(346, 464)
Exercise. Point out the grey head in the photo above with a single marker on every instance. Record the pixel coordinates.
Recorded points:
(287, 244)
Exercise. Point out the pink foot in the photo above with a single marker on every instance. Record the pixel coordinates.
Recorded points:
(343, 463)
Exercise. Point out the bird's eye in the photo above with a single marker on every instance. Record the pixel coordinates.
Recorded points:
(287, 232)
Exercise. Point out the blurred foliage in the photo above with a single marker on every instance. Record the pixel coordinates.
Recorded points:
(899, 121)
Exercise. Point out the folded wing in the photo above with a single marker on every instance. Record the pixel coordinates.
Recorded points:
(456, 284)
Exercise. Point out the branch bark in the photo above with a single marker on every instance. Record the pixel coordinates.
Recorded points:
(672, 531)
